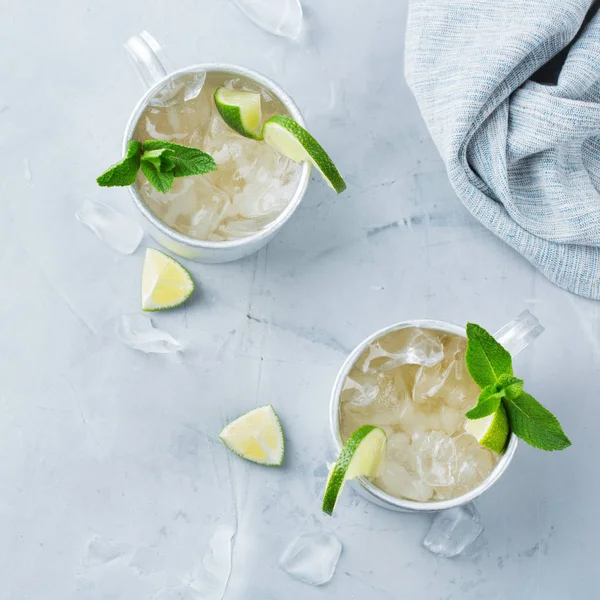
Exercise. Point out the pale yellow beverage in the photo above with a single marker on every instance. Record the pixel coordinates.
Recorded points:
(414, 384)
(253, 183)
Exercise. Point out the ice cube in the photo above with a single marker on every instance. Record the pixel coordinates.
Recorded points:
(411, 346)
(436, 458)
(448, 381)
(264, 190)
(233, 229)
(115, 229)
(212, 577)
(453, 531)
(281, 17)
(312, 557)
(100, 551)
(193, 206)
(475, 463)
(139, 333)
(361, 391)
(369, 399)
(398, 480)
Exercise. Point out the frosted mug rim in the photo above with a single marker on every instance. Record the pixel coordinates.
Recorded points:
(375, 494)
(267, 231)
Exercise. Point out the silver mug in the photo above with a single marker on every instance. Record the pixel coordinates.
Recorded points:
(151, 68)
(514, 336)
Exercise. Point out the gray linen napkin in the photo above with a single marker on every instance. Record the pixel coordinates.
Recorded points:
(520, 137)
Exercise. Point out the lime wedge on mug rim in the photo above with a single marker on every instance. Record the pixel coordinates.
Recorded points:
(293, 141)
(361, 456)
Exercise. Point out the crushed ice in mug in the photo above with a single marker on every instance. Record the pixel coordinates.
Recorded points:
(253, 183)
(414, 384)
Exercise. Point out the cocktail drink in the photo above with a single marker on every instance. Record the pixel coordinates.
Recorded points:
(253, 182)
(414, 384)
(216, 156)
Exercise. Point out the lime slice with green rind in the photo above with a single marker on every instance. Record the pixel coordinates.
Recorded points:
(256, 436)
(361, 456)
(492, 431)
(296, 143)
(241, 111)
(165, 283)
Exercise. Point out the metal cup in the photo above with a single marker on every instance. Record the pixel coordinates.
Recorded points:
(145, 51)
(514, 336)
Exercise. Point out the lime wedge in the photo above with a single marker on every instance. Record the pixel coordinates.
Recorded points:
(491, 431)
(241, 111)
(256, 436)
(296, 143)
(361, 456)
(165, 283)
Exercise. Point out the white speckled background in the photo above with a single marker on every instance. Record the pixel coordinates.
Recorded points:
(98, 440)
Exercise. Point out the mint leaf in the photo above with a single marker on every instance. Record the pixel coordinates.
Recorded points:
(487, 403)
(534, 424)
(163, 182)
(491, 396)
(162, 159)
(513, 386)
(188, 161)
(124, 172)
(486, 359)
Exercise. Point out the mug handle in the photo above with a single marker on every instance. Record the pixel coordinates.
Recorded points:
(148, 57)
(519, 333)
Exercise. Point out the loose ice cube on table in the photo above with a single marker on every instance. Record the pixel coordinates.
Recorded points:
(312, 557)
(139, 333)
(114, 228)
(453, 531)
(281, 17)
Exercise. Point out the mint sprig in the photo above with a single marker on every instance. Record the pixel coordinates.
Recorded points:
(125, 171)
(490, 366)
(160, 162)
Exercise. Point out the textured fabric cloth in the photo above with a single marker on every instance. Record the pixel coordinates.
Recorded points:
(524, 157)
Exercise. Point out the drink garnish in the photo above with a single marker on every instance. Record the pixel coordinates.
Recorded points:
(490, 366)
(241, 111)
(293, 141)
(165, 283)
(491, 431)
(361, 456)
(160, 161)
(256, 436)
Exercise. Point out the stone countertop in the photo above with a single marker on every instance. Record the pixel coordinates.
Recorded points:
(111, 474)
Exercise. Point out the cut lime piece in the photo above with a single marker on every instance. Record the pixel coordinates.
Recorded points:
(296, 143)
(241, 111)
(165, 283)
(491, 431)
(256, 436)
(361, 456)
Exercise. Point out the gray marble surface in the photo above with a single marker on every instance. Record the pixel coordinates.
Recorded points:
(100, 444)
